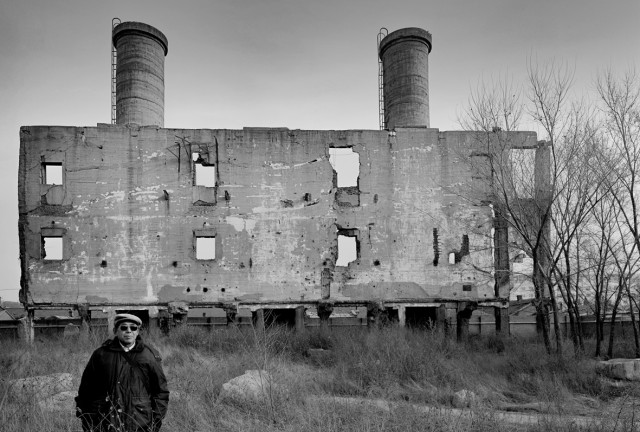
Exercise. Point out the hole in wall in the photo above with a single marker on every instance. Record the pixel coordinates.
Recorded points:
(205, 173)
(346, 163)
(52, 248)
(205, 248)
(52, 173)
(348, 247)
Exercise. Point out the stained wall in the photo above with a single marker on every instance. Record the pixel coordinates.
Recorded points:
(129, 214)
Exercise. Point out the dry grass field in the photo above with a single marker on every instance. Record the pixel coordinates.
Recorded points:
(389, 379)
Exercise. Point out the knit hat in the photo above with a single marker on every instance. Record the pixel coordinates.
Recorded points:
(120, 318)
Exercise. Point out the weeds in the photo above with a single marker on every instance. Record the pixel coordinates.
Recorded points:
(393, 364)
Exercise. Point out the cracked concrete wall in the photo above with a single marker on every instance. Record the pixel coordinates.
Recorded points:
(128, 216)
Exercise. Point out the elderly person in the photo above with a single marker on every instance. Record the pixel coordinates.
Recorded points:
(123, 387)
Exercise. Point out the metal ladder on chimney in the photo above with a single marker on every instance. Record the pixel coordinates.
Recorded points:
(381, 35)
(114, 61)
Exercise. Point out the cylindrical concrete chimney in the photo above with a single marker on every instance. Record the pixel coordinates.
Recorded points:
(140, 73)
(405, 64)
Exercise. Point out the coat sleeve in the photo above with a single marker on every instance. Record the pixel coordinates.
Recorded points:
(88, 392)
(159, 388)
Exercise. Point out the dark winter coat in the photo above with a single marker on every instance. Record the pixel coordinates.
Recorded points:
(128, 395)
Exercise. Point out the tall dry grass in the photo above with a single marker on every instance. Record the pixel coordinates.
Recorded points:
(406, 367)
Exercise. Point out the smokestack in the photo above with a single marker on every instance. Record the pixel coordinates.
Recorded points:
(405, 63)
(140, 73)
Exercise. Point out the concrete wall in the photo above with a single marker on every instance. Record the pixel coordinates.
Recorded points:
(128, 213)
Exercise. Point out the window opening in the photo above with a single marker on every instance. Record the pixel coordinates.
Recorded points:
(205, 174)
(205, 248)
(52, 248)
(347, 250)
(346, 163)
(522, 168)
(52, 173)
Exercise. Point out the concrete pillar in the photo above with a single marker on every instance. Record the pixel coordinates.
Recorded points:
(164, 322)
(402, 316)
(441, 318)
(258, 319)
(325, 280)
(465, 310)
(374, 314)
(300, 318)
(231, 316)
(25, 328)
(325, 310)
(502, 278)
(178, 311)
(503, 327)
(85, 318)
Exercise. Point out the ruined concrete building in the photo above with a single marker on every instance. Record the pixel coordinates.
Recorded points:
(137, 217)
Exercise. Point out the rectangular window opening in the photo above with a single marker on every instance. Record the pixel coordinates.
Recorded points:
(346, 164)
(348, 247)
(205, 173)
(522, 172)
(52, 173)
(205, 248)
(52, 248)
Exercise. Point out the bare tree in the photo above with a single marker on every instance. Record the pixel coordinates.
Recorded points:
(545, 194)
(620, 105)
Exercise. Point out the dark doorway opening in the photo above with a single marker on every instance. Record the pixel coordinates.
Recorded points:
(280, 317)
(421, 317)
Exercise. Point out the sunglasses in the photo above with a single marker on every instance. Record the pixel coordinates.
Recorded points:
(125, 328)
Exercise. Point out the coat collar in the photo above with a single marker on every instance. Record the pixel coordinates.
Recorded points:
(114, 345)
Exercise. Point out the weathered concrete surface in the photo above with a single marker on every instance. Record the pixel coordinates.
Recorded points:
(129, 213)
(405, 59)
(621, 369)
(139, 73)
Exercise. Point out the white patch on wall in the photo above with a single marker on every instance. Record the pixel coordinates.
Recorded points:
(347, 164)
(240, 224)
(347, 251)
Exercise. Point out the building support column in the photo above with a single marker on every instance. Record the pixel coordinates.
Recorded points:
(300, 312)
(85, 318)
(178, 311)
(25, 327)
(402, 316)
(465, 310)
(503, 326)
(325, 309)
(258, 320)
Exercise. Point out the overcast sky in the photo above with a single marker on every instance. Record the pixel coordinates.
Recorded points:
(301, 64)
